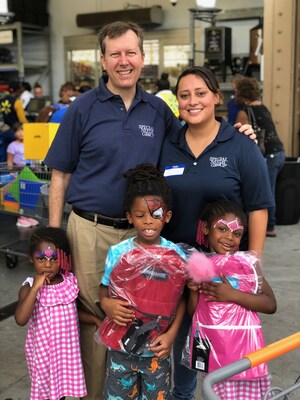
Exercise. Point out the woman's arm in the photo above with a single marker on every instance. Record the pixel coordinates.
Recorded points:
(257, 228)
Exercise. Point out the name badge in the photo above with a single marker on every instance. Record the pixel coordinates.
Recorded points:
(174, 170)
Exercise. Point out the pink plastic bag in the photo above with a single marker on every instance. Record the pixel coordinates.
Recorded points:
(224, 332)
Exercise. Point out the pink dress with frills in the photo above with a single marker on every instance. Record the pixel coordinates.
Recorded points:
(52, 345)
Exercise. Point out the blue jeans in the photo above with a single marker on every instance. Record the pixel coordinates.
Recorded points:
(275, 163)
(185, 379)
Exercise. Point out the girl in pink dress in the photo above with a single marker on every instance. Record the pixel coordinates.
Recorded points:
(48, 302)
(225, 306)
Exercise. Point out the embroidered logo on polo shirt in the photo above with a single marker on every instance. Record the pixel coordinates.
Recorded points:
(147, 130)
(218, 162)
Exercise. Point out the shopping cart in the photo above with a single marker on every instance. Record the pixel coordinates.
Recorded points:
(24, 192)
(251, 360)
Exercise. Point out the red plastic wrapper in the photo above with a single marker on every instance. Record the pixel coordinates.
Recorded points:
(151, 279)
(224, 332)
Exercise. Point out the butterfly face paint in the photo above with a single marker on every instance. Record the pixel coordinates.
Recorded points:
(156, 207)
(47, 254)
(232, 225)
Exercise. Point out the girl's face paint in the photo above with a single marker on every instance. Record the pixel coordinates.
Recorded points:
(232, 225)
(46, 254)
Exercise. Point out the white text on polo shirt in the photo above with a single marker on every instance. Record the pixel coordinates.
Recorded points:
(147, 130)
(218, 162)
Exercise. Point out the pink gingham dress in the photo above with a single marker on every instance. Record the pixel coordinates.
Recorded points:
(52, 344)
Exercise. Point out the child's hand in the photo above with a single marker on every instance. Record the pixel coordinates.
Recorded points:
(162, 346)
(219, 291)
(118, 311)
(194, 287)
(40, 280)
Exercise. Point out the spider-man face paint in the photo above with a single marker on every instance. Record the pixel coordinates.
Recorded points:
(232, 225)
(156, 207)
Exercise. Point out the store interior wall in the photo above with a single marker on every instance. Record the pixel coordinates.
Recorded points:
(63, 23)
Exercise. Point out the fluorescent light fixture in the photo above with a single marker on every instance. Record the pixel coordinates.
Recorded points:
(3, 7)
(206, 3)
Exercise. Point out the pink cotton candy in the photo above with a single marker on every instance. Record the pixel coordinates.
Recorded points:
(200, 268)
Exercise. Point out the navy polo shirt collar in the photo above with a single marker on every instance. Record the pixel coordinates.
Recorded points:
(104, 94)
(225, 133)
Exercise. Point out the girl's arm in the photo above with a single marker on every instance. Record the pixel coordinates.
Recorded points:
(193, 297)
(27, 296)
(10, 160)
(263, 302)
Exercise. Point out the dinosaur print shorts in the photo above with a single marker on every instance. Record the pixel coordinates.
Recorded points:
(133, 377)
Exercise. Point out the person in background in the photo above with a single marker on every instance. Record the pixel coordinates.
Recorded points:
(232, 107)
(47, 302)
(84, 88)
(207, 159)
(12, 112)
(15, 150)
(67, 94)
(105, 132)
(248, 96)
(26, 94)
(219, 303)
(166, 94)
(38, 91)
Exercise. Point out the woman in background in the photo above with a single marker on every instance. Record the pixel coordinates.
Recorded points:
(248, 95)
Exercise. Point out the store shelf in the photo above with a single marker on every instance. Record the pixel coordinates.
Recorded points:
(30, 50)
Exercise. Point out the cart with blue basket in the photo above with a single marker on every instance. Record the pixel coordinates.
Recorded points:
(24, 191)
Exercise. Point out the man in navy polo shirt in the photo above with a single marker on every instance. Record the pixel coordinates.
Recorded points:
(105, 132)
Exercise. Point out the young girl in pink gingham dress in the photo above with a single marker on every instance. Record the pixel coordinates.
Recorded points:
(48, 302)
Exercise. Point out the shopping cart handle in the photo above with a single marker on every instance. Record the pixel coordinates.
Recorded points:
(274, 350)
(220, 375)
(251, 360)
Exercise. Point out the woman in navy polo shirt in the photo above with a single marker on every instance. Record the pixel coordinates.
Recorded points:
(207, 159)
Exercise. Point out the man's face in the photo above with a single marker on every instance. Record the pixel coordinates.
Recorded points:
(123, 62)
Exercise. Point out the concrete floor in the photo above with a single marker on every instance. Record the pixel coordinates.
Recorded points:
(281, 268)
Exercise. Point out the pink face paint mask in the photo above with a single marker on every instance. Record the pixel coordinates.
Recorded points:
(232, 225)
(47, 254)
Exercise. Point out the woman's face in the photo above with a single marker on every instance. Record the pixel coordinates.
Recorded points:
(196, 102)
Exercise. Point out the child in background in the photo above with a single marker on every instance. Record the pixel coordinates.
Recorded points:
(15, 150)
(48, 302)
(232, 299)
(142, 372)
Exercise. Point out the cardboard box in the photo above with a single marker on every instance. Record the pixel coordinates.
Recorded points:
(38, 137)
(7, 200)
